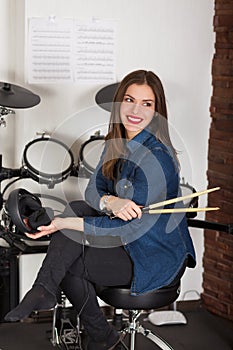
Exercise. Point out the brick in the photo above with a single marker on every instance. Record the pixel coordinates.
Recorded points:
(217, 108)
(219, 200)
(228, 256)
(218, 269)
(228, 45)
(226, 128)
(219, 252)
(223, 5)
(220, 168)
(222, 122)
(210, 237)
(220, 196)
(223, 37)
(219, 313)
(225, 92)
(221, 157)
(223, 20)
(219, 134)
(225, 81)
(220, 125)
(221, 109)
(225, 207)
(215, 303)
(226, 298)
(225, 122)
(223, 12)
(224, 265)
(225, 69)
(222, 102)
(226, 238)
(212, 253)
(222, 78)
(219, 145)
(215, 284)
(220, 217)
(218, 180)
(209, 291)
(222, 2)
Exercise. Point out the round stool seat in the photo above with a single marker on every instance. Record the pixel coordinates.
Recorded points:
(121, 297)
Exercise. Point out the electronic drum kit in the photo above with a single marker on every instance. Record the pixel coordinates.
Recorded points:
(14, 96)
(22, 204)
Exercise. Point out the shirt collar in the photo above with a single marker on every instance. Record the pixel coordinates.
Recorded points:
(138, 140)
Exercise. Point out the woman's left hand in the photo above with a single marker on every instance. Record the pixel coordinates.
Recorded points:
(123, 208)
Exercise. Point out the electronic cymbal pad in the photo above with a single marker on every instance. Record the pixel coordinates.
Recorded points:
(15, 96)
(104, 97)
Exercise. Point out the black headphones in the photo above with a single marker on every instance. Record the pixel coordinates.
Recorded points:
(21, 205)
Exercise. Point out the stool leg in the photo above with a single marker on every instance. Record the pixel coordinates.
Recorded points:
(132, 334)
(155, 338)
(134, 315)
(135, 327)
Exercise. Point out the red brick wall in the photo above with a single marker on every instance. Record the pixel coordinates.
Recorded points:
(218, 254)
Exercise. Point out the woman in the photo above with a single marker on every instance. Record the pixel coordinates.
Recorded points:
(139, 166)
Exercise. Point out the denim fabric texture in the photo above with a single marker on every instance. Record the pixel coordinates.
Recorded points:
(158, 244)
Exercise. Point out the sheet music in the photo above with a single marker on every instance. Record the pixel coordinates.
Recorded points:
(50, 50)
(94, 52)
(65, 50)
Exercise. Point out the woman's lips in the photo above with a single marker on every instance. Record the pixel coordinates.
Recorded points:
(133, 119)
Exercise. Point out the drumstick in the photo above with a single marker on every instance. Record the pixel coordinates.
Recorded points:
(180, 210)
(178, 199)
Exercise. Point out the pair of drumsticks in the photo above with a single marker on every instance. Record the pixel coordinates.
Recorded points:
(151, 208)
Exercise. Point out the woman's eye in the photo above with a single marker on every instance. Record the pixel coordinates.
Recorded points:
(128, 99)
(147, 104)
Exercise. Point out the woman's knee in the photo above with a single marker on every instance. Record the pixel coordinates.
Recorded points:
(79, 208)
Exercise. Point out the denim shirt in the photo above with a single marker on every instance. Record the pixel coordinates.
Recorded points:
(158, 244)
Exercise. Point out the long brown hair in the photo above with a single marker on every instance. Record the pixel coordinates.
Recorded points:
(116, 131)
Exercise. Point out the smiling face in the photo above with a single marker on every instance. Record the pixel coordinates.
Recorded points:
(137, 109)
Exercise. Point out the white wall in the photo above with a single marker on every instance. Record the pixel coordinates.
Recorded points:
(173, 38)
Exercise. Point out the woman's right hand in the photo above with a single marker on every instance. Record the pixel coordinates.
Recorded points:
(58, 224)
(123, 208)
(55, 225)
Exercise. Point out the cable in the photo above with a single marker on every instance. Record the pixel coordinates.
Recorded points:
(85, 273)
(9, 184)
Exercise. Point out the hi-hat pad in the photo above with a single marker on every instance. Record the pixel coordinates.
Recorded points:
(15, 96)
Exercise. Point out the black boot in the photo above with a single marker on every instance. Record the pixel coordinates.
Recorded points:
(61, 254)
(81, 293)
(38, 298)
(109, 343)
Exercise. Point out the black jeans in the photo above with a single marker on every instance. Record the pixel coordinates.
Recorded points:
(78, 268)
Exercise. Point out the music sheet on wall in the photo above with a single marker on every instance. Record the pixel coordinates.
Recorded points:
(66, 50)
